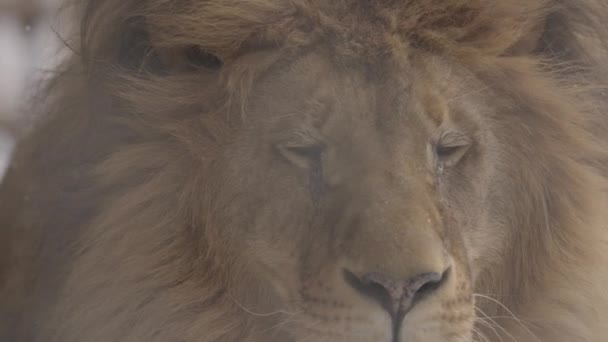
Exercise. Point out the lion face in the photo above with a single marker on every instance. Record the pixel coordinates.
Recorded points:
(287, 171)
(361, 201)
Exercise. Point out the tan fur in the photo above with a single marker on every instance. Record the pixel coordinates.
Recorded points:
(157, 200)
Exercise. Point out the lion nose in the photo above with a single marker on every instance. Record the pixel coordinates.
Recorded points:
(397, 296)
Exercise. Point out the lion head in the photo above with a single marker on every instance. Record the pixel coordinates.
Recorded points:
(286, 171)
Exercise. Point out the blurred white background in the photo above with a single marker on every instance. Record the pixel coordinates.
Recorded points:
(29, 49)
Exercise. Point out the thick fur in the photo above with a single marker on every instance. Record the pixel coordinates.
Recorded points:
(112, 224)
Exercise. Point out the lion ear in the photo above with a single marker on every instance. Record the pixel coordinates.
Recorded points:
(188, 57)
(510, 28)
(135, 50)
(531, 40)
(142, 50)
(554, 35)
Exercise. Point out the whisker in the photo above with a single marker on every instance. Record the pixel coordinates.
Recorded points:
(492, 323)
(481, 335)
(491, 327)
(528, 322)
(517, 319)
(278, 312)
(281, 324)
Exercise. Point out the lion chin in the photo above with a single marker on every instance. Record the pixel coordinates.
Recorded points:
(311, 170)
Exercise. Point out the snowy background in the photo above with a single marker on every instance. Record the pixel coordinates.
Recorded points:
(29, 49)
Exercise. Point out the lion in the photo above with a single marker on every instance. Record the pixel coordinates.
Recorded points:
(309, 170)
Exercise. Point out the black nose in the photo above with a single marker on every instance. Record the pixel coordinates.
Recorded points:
(397, 296)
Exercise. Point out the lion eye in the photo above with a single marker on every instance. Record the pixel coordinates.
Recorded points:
(303, 155)
(448, 151)
(201, 58)
(310, 158)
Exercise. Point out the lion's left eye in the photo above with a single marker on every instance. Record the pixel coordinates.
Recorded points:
(449, 149)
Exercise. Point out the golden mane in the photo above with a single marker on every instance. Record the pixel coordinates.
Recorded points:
(118, 165)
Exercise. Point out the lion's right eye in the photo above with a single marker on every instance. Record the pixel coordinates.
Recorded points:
(303, 155)
(309, 157)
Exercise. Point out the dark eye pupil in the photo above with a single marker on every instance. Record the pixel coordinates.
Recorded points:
(202, 58)
(446, 151)
(309, 152)
(313, 155)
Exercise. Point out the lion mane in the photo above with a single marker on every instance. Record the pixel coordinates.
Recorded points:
(102, 204)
